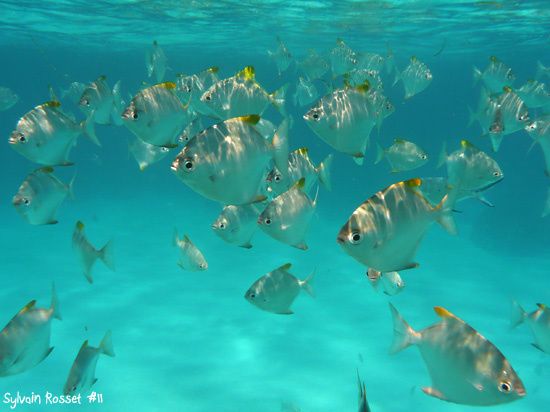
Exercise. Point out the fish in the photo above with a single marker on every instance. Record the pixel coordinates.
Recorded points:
(82, 374)
(155, 62)
(370, 61)
(237, 224)
(465, 368)
(306, 93)
(542, 70)
(485, 112)
(300, 165)
(190, 88)
(46, 135)
(495, 76)
(241, 95)
(8, 98)
(313, 65)
(342, 58)
(357, 77)
(510, 116)
(402, 156)
(25, 340)
(101, 104)
(287, 217)
(146, 154)
(385, 231)
(156, 115)
(363, 403)
(416, 77)
(538, 321)
(281, 56)
(534, 94)
(40, 196)
(391, 282)
(192, 129)
(87, 254)
(228, 161)
(539, 131)
(191, 258)
(276, 291)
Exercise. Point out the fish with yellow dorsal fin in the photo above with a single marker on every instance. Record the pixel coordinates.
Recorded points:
(342, 58)
(87, 254)
(538, 321)
(402, 156)
(191, 258)
(416, 77)
(464, 367)
(495, 76)
(100, 103)
(155, 62)
(510, 116)
(237, 224)
(190, 88)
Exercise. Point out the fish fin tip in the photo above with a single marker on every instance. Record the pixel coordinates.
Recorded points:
(106, 345)
(403, 335)
(434, 392)
(54, 305)
(106, 254)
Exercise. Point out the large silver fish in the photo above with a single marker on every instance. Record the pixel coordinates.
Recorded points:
(7, 98)
(87, 254)
(101, 104)
(495, 76)
(191, 258)
(276, 291)
(416, 77)
(228, 161)
(155, 62)
(385, 231)
(237, 224)
(464, 366)
(25, 340)
(538, 321)
(40, 196)
(402, 156)
(156, 115)
(82, 374)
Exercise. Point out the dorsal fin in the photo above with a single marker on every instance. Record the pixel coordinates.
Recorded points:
(167, 85)
(493, 59)
(466, 144)
(300, 184)
(248, 73)
(541, 306)
(52, 103)
(363, 87)
(80, 225)
(286, 266)
(251, 119)
(398, 140)
(302, 151)
(415, 182)
(28, 307)
(46, 169)
(443, 313)
(213, 69)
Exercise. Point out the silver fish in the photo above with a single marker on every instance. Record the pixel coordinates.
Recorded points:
(416, 77)
(313, 65)
(385, 231)
(539, 130)
(146, 154)
(237, 224)
(192, 129)
(287, 217)
(7, 98)
(101, 104)
(190, 88)
(228, 161)
(276, 291)
(156, 115)
(40, 196)
(391, 282)
(370, 61)
(281, 56)
(511, 115)
(435, 188)
(363, 403)
(155, 62)
(495, 76)
(464, 366)
(534, 94)
(191, 258)
(87, 254)
(538, 321)
(402, 156)
(357, 77)
(82, 374)
(485, 112)
(306, 93)
(342, 58)
(25, 340)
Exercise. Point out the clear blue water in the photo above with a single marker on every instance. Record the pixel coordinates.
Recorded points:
(189, 341)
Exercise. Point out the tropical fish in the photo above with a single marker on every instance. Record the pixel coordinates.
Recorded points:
(539, 130)
(276, 291)
(25, 340)
(370, 61)
(385, 231)
(7, 98)
(82, 374)
(157, 116)
(192, 129)
(146, 154)
(155, 62)
(101, 104)
(87, 254)
(510, 116)
(485, 113)
(416, 77)
(237, 224)
(542, 70)
(190, 88)
(228, 161)
(191, 258)
(46, 135)
(391, 282)
(363, 403)
(402, 156)
(342, 58)
(534, 94)
(313, 65)
(287, 217)
(306, 93)
(240, 95)
(464, 366)
(40, 196)
(281, 56)
(300, 165)
(538, 321)
(357, 77)
(495, 76)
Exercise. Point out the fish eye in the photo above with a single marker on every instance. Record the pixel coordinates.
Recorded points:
(208, 97)
(277, 178)
(135, 115)
(423, 156)
(188, 163)
(164, 149)
(252, 295)
(22, 138)
(355, 237)
(221, 225)
(388, 106)
(26, 201)
(496, 173)
(85, 102)
(505, 387)
(267, 221)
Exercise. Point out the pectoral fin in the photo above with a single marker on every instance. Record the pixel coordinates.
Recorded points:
(435, 393)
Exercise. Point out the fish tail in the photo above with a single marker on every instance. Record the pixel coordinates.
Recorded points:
(403, 335)
(54, 306)
(496, 140)
(89, 130)
(106, 254)
(518, 314)
(323, 171)
(106, 345)
(280, 146)
(374, 277)
(278, 99)
(445, 210)
(442, 155)
(306, 284)
(379, 153)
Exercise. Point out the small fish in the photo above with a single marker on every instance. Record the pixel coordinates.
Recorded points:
(402, 156)
(538, 321)
(87, 254)
(363, 403)
(370, 61)
(288, 216)
(539, 130)
(237, 224)
(146, 154)
(306, 93)
(300, 165)
(357, 77)
(101, 104)
(485, 112)
(191, 258)
(510, 116)
(45, 135)
(190, 88)
(40, 196)
(534, 94)
(25, 340)
(227, 162)
(82, 374)
(276, 291)
(313, 65)
(74, 92)
(542, 70)
(156, 115)
(7, 98)
(391, 282)
(385, 231)
(192, 129)
(281, 56)
(342, 58)
(495, 76)
(155, 62)
(241, 95)
(416, 77)
(464, 366)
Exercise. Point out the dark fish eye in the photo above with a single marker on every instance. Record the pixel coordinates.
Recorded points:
(277, 178)
(26, 201)
(252, 296)
(188, 163)
(496, 173)
(267, 221)
(222, 226)
(208, 97)
(135, 115)
(355, 238)
(423, 156)
(505, 387)
(22, 138)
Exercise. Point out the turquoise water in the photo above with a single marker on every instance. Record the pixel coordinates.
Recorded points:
(189, 341)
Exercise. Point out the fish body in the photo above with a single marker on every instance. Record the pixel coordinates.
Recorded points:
(402, 156)
(370, 61)
(538, 321)
(190, 88)
(281, 56)
(416, 77)
(100, 103)
(74, 92)
(485, 112)
(342, 58)
(495, 76)
(314, 66)
(191, 258)
(464, 367)
(87, 254)
(510, 116)
(155, 62)
(306, 93)
(8, 99)
(146, 154)
(391, 282)
(237, 224)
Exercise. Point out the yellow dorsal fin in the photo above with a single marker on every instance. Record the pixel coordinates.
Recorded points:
(398, 140)
(251, 119)
(347, 84)
(442, 312)
(507, 89)
(300, 184)
(340, 41)
(363, 87)
(413, 59)
(248, 73)
(213, 69)
(80, 225)
(28, 306)
(52, 103)
(46, 169)
(493, 59)
(286, 266)
(102, 77)
(541, 306)
(302, 151)
(416, 182)
(466, 144)
(167, 85)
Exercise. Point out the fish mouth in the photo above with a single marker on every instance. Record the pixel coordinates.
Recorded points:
(340, 239)
(521, 391)
(175, 165)
(14, 138)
